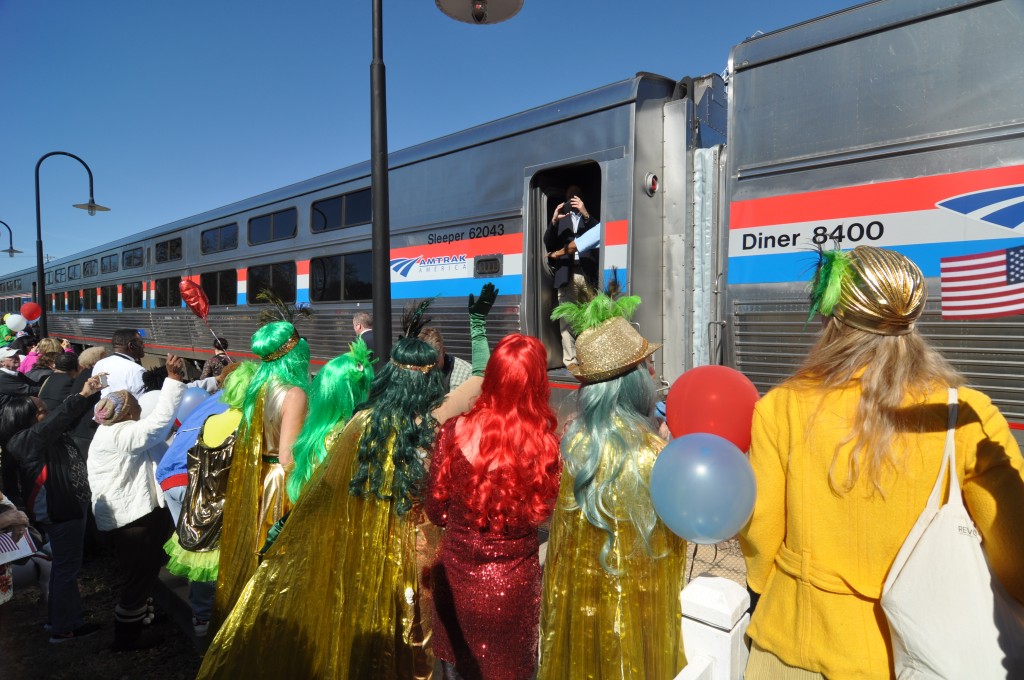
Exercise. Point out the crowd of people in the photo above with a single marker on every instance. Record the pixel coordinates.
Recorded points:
(386, 515)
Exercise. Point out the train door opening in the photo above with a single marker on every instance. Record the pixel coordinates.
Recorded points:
(547, 191)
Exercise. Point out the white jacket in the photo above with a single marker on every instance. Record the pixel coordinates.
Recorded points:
(123, 460)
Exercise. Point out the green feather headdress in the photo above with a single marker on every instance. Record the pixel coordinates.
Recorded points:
(582, 316)
(834, 267)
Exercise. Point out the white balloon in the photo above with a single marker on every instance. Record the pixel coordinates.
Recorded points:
(16, 322)
(148, 402)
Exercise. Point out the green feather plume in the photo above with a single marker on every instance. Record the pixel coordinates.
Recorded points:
(834, 267)
(594, 312)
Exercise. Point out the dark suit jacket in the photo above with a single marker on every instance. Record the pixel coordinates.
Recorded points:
(367, 337)
(56, 389)
(558, 236)
(14, 385)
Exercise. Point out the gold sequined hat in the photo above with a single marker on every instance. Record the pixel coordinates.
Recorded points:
(612, 349)
(871, 289)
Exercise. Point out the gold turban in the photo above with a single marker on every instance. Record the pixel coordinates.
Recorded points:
(885, 294)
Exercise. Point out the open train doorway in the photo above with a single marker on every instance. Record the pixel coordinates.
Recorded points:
(547, 192)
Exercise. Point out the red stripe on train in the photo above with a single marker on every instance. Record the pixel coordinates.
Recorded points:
(905, 195)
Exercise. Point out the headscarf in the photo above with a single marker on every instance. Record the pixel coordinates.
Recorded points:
(115, 408)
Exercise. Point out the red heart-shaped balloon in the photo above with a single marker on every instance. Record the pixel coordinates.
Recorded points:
(195, 297)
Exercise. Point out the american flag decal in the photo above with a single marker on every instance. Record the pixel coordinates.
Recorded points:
(983, 285)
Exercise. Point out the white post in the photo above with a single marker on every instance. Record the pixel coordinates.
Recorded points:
(714, 622)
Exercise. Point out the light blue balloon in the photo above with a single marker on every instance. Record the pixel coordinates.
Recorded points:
(703, 488)
(194, 396)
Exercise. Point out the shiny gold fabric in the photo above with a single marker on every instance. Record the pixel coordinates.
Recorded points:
(200, 526)
(885, 295)
(274, 501)
(238, 543)
(337, 596)
(610, 350)
(598, 625)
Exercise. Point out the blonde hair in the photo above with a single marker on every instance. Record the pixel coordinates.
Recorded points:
(894, 367)
(48, 345)
(89, 357)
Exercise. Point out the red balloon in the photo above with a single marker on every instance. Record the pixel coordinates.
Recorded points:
(715, 400)
(31, 311)
(195, 297)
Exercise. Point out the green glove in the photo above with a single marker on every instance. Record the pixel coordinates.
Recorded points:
(478, 310)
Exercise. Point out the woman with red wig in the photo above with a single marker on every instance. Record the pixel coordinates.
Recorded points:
(493, 481)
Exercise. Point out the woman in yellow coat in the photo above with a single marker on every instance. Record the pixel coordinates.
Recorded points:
(845, 454)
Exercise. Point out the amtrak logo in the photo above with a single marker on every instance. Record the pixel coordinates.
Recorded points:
(1002, 206)
(443, 263)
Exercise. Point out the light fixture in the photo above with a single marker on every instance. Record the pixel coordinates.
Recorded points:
(92, 207)
(480, 11)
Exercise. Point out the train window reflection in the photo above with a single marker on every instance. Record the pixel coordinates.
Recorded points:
(74, 300)
(91, 268)
(219, 238)
(339, 212)
(108, 264)
(168, 292)
(132, 259)
(74, 272)
(341, 277)
(273, 227)
(131, 295)
(220, 287)
(108, 297)
(278, 278)
(89, 298)
(168, 251)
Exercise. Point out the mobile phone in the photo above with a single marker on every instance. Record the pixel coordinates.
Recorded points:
(103, 380)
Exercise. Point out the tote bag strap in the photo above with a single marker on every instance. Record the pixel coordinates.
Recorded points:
(948, 458)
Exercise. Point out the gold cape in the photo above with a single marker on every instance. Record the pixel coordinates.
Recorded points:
(337, 596)
(598, 625)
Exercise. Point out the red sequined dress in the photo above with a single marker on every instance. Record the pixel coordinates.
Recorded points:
(486, 586)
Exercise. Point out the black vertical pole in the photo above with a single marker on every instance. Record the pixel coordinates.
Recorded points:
(381, 240)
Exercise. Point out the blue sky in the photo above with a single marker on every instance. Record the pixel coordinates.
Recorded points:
(186, 106)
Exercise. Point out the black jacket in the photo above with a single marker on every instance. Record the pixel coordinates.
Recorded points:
(56, 389)
(34, 448)
(18, 384)
(85, 428)
(558, 236)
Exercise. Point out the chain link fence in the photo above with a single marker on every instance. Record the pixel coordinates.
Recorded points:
(721, 559)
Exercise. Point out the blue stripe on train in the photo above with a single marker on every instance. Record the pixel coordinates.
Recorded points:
(408, 290)
(787, 267)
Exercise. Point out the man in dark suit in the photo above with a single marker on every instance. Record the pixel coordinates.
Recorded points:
(572, 271)
(13, 383)
(362, 324)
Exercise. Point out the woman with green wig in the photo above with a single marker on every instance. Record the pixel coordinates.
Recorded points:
(337, 596)
(273, 412)
(341, 385)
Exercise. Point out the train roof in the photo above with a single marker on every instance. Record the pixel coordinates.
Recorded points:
(605, 97)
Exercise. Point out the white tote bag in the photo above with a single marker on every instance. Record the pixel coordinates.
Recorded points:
(949, 616)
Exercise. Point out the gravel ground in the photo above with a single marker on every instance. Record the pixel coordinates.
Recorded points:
(26, 653)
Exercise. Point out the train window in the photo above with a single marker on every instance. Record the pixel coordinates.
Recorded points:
(49, 277)
(89, 298)
(131, 295)
(168, 292)
(273, 227)
(168, 251)
(278, 278)
(108, 264)
(74, 272)
(60, 276)
(342, 211)
(108, 295)
(220, 287)
(219, 238)
(341, 277)
(89, 267)
(133, 259)
(74, 300)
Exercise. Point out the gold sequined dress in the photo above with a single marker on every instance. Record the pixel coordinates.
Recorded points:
(255, 498)
(337, 596)
(598, 625)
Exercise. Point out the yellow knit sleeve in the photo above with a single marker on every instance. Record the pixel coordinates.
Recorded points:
(993, 487)
(761, 539)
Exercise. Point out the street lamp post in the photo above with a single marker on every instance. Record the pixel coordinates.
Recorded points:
(10, 249)
(470, 11)
(91, 207)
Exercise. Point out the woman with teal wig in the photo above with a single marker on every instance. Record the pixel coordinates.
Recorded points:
(341, 385)
(272, 416)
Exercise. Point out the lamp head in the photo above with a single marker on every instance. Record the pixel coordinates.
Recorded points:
(480, 11)
(10, 251)
(92, 207)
